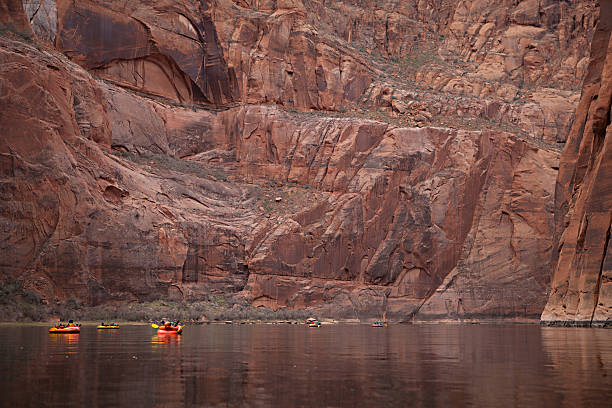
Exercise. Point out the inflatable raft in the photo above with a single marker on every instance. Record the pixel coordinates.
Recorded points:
(107, 327)
(170, 330)
(73, 329)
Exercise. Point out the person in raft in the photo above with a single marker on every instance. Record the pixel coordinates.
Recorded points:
(71, 324)
(168, 325)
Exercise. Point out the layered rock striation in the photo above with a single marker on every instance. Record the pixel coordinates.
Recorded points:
(370, 219)
(505, 66)
(77, 220)
(165, 48)
(582, 259)
(267, 150)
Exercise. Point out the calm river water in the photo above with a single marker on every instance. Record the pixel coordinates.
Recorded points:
(296, 366)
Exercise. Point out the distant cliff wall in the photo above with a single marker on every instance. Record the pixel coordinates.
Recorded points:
(582, 258)
(358, 158)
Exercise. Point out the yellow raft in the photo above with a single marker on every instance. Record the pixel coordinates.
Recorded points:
(72, 329)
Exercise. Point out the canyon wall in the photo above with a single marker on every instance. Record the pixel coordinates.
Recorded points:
(582, 262)
(356, 158)
(351, 216)
(514, 66)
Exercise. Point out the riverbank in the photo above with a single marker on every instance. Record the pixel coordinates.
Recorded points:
(20, 305)
(206, 311)
(192, 312)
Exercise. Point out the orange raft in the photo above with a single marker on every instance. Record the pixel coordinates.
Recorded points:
(107, 327)
(379, 324)
(170, 330)
(73, 329)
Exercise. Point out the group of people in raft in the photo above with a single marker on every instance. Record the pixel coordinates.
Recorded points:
(164, 327)
(70, 324)
(71, 327)
(170, 327)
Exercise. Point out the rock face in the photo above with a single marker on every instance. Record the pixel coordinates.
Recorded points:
(516, 62)
(12, 17)
(500, 271)
(42, 15)
(457, 61)
(371, 220)
(166, 49)
(77, 220)
(264, 149)
(582, 262)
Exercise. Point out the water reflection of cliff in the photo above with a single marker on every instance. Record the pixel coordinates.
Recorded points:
(214, 374)
(280, 365)
(38, 368)
(581, 360)
(167, 362)
(345, 366)
(422, 365)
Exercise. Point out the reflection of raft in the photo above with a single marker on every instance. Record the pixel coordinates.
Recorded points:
(107, 327)
(73, 329)
(170, 330)
(379, 324)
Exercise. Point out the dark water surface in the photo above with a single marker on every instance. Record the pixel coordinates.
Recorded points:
(293, 366)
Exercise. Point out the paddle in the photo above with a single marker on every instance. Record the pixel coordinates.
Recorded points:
(154, 326)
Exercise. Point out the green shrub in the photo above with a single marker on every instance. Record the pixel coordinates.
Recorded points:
(33, 313)
(72, 303)
(31, 297)
(171, 163)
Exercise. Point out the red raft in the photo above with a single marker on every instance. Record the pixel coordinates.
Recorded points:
(170, 329)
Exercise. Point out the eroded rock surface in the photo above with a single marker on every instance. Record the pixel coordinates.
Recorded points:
(360, 217)
(287, 152)
(42, 15)
(582, 262)
(505, 66)
(13, 18)
(163, 48)
(79, 220)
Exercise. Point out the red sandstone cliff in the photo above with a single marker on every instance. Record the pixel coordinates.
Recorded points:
(228, 147)
(582, 262)
(12, 17)
(478, 64)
